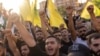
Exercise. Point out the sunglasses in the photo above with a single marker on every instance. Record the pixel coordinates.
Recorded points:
(96, 45)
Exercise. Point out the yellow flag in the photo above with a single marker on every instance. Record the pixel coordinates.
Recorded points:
(25, 11)
(55, 18)
(35, 13)
(85, 13)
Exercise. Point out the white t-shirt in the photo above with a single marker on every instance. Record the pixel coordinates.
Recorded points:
(1, 20)
(80, 41)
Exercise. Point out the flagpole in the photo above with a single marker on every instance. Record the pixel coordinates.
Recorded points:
(46, 5)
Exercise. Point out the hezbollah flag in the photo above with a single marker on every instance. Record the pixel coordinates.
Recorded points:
(85, 13)
(25, 11)
(35, 13)
(54, 16)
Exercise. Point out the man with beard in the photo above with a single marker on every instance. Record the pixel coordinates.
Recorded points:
(94, 43)
(52, 46)
(40, 39)
(81, 38)
(24, 50)
(52, 43)
(66, 41)
(57, 34)
(78, 34)
(39, 35)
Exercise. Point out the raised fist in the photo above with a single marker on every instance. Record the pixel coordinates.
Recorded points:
(7, 32)
(69, 10)
(90, 9)
(14, 17)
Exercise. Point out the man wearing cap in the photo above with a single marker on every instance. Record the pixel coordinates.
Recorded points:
(78, 50)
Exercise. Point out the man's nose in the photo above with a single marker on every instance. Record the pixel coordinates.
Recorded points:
(49, 45)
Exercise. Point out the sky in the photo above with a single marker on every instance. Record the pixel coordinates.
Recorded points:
(14, 4)
(82, 1)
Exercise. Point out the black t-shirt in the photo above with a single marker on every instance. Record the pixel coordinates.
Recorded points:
(64, 48)
(41, 45)
(36, 51)
(61, 54)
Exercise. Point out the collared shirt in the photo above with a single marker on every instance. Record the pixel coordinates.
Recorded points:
(80, 41)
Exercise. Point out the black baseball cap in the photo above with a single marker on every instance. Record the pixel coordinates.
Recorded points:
(76, 54)
(78, 50)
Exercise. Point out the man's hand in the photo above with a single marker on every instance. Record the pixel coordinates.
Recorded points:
(14, 17)
(42, 14)
(69, 10)
(7, 32)
(90, 9)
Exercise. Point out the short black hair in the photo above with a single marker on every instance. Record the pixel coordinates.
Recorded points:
(93, 36)
(55, 28)
(62, 28)
(79, 27)
(58, 31)
(22, 44)
(65, 29)
(57, 39)
(38, 31)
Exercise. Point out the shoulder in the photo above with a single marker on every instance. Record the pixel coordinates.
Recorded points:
(61, 54)
(35, 51)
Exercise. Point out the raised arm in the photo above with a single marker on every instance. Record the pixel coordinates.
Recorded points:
(43, 24)
(46, 22)
(9, 24)
(11, 42)
(44, 27)
(69, 11)
(94, 22)
(27, 37)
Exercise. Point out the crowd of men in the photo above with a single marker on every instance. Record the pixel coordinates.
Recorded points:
(79, 39)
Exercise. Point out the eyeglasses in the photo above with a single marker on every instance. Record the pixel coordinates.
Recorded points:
(96, 45)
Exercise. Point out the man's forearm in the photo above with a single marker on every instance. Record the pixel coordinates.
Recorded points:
(13, 46)
(25, 34)
(71, 27)
(94, 21)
